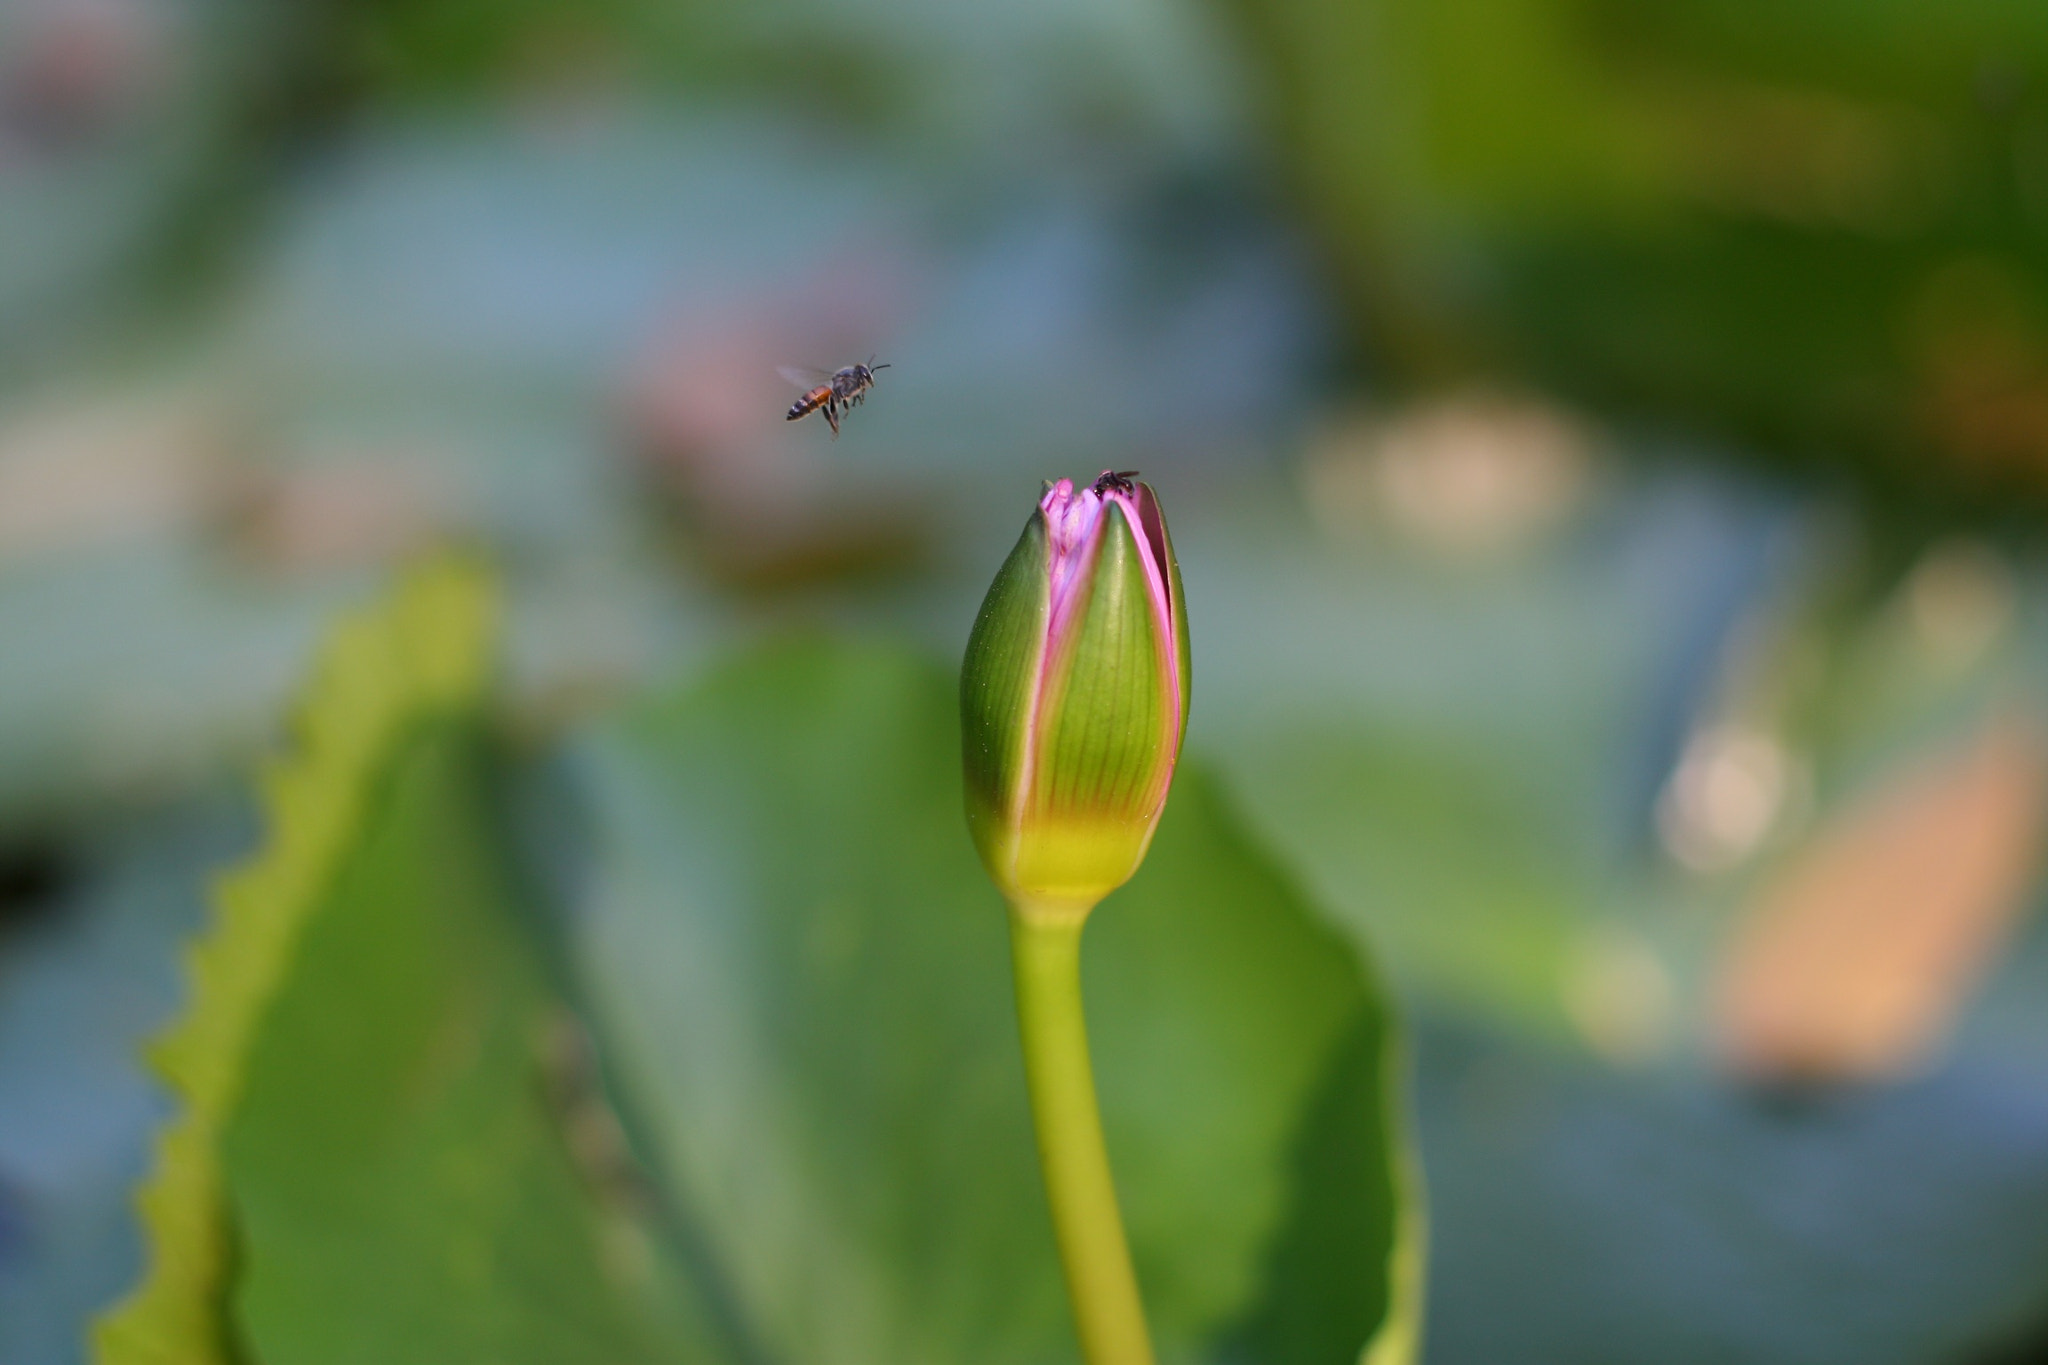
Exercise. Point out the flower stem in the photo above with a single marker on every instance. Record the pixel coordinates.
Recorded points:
(1045, 940)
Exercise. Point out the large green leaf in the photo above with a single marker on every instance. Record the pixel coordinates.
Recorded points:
(420, 1164)
(390, 1150)
(800, 978)
(422, 655)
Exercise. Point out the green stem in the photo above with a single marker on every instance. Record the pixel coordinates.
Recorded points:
(1046, 945)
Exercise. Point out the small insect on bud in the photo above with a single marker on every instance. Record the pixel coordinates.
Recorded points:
(1074, 696)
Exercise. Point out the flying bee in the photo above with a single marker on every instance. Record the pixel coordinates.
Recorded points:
(831, 393)
(1119, 479)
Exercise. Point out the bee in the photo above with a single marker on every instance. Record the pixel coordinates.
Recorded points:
(831, 393)
(1118, 479)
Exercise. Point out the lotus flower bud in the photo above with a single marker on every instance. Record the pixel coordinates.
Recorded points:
(1074, 696)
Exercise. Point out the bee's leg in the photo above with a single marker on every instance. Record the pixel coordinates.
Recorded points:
(832, 417)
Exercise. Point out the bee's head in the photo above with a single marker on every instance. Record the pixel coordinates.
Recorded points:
(867, 371)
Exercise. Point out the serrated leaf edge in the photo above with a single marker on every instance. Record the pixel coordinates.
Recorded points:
(423, 651)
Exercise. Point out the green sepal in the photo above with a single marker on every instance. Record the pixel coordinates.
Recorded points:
(998, 694)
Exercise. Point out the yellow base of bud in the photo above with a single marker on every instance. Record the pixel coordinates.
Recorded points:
(1072, 860)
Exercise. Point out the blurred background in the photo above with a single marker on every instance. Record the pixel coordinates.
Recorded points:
(1607, 446)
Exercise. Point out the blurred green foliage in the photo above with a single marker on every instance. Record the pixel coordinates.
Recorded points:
(495, 272)
(1817, 229)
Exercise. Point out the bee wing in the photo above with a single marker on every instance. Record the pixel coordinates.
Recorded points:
(803, 376)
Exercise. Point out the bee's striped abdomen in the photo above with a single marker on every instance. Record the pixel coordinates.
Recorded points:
(810, 402)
